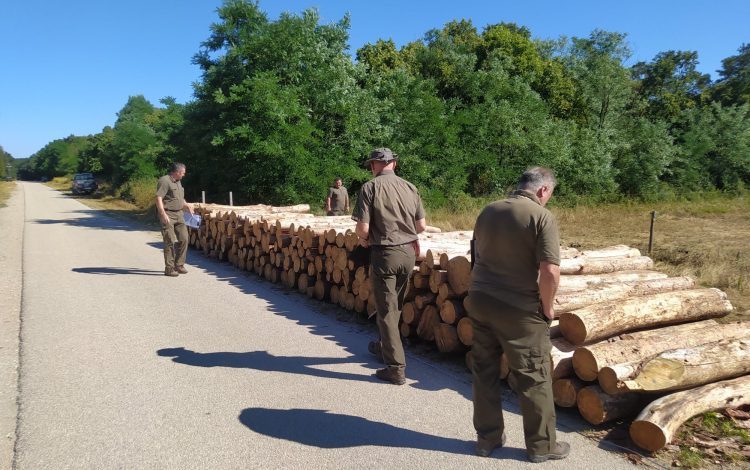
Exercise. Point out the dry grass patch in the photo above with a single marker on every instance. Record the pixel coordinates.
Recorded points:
(6, 189)
(705, 239)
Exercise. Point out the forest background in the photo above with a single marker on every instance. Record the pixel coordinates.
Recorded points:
(281, 108)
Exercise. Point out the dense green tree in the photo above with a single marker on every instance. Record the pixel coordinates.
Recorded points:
(734, 85)
(670, 83)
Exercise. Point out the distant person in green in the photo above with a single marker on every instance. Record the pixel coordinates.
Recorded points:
(337, 202)
(389, 215)
(513, 284)
(170, 205)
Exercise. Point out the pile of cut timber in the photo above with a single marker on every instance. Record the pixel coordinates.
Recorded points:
(626, 334)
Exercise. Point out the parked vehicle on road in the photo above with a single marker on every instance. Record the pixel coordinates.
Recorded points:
(44, 179)
(84, 183)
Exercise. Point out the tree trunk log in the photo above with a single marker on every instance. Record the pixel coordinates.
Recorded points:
(430, 318)
(562, 358)
(588, 360)
(589, 280)
(598, 407)
(452, 311)
(422, 300)
(678, 369)
(603, 320)
(657, 424)
(411, 314)
(572, 300)
(447, 338)
(617, 251)
(459, 274)
(465, 331)
(565, 391)
(437, 278)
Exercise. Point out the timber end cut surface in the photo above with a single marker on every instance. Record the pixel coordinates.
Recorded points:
(573, 328)
(584, 364)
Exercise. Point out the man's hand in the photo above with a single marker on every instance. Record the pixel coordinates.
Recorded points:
(364, 243)
(164, 219)
(549, 313)
(347, 209)
(549, 279)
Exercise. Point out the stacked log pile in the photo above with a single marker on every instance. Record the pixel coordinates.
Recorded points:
(626, 335)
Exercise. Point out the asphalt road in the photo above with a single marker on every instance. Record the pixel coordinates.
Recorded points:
(124, 368)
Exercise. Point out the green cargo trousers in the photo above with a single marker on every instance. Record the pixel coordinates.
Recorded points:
(524, 337)
(390, 268)
(176, 239)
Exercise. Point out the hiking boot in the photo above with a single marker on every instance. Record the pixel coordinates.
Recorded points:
(171, 272)
(562, 450)
(180, 269)
(374, 348)
(485, 446)
(397, 378)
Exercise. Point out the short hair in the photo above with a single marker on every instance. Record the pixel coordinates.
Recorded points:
(536, 177)
(176, 166)
(338, 179)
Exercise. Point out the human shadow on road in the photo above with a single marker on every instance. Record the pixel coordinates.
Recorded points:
(112, 271)
(320, 428)
(92, 219)
(263, 361)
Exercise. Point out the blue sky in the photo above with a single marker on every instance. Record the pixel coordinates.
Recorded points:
(68, 66)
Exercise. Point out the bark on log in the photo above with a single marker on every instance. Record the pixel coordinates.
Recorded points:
(572, 300)
(678, 369)
(588, 360)
(565, 391)
(602, 320)
(657, 424)
(596, 406)
(617, 251)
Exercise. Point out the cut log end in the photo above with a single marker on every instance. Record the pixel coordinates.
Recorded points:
(590, 406)
(573, 328)
(584, 364)
(565, 391)
(648, 435)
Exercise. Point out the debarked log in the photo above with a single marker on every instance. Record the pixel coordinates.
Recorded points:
(657, 424)
(603, 320)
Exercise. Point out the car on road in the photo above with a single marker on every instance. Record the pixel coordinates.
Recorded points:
(84, 183)
(8, 178)
(44, 179)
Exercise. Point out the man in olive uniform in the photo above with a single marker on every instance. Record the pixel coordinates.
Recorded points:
(170, 204)
(337, 202)
(389, 215)
(513, 284)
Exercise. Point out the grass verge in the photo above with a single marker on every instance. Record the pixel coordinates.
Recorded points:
(6, 189)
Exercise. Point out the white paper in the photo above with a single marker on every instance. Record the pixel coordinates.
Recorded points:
(192, 220)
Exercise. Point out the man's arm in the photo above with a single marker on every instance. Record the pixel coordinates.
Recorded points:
(160, 209)
(328, 204)
(549, 279)
(347, 203)
(186, 207)
(421, 225)
(363, 232)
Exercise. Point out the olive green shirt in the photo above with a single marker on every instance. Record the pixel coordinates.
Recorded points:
(391, 206)
(171, 193)
(513, 236)
(338, 198)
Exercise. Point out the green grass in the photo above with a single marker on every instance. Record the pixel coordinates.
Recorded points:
(691, 458)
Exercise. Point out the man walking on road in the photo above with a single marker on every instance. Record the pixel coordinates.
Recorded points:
(337, 202)
(513, 285)
(170, 204)
(389, 215)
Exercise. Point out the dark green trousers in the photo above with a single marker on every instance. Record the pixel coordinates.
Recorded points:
(176, 239)
(390, 268)
(524, 337)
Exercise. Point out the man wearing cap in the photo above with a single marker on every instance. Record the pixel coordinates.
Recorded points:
(337, 202)
(389, 215)
(170, 204)
(513, 284)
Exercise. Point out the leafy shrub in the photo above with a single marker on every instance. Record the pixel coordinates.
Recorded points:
(141, 192)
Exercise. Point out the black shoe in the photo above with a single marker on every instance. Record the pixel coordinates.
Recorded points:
(562, 450)
(397, 378)
(485, 446)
